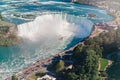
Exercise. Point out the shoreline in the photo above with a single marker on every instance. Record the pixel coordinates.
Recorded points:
(40, 63)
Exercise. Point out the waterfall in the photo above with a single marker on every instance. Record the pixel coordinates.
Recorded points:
(44, 26)
(59, 26)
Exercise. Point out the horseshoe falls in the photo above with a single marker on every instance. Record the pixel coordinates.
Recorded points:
(46, 27)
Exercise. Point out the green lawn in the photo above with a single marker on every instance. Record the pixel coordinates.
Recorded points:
(103, 64)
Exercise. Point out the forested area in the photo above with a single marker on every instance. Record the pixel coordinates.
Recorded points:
(86, 57)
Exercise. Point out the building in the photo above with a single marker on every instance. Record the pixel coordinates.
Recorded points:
(46, 77)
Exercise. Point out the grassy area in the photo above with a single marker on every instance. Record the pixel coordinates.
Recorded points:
(103, 64)
(33, 77)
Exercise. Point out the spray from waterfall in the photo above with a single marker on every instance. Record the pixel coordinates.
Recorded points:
(47, 26)
(52, 26)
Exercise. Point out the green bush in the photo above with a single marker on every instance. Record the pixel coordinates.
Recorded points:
(14, 77)
(40, 74)
(60, 66)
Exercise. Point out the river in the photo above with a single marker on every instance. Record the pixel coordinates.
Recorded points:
(47, 27)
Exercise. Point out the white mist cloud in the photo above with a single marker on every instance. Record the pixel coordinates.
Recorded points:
(47, 26)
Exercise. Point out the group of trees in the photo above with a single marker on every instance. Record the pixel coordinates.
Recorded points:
(108, 42)
(57, 67)
(86, 56)
(85, 66)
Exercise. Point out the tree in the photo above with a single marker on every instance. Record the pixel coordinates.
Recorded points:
(14, 77)
(72, 76)
(40, 74)
(89, 41)
(60, 66)
(77, 50)
(86, 63)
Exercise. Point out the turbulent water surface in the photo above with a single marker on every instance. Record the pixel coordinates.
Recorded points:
(47, 27)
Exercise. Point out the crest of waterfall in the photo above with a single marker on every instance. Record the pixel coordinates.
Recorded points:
(54, 26)
(47, 26)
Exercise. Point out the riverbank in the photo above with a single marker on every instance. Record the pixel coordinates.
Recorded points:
(107, 5)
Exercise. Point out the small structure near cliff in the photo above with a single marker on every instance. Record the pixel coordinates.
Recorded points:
(46, 77)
